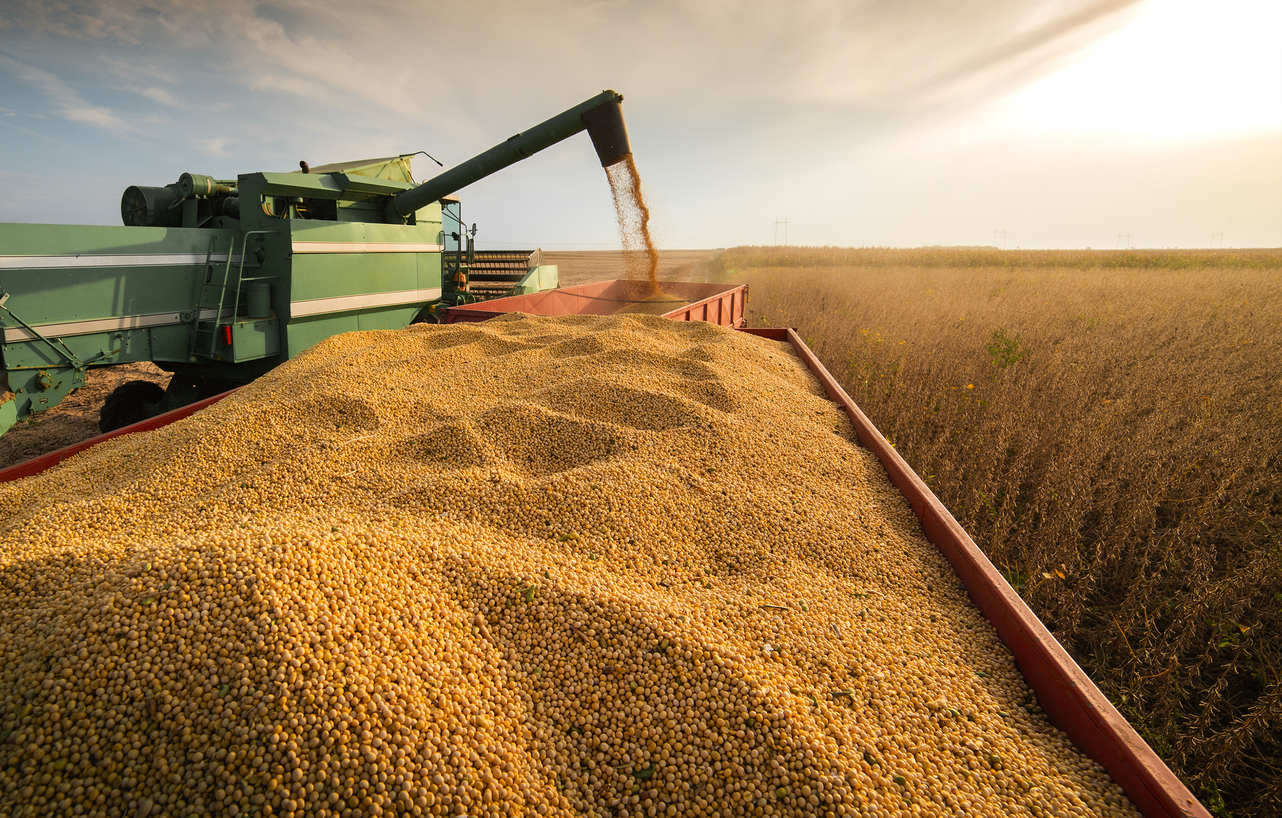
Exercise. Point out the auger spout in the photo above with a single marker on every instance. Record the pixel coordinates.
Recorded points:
(601, 117)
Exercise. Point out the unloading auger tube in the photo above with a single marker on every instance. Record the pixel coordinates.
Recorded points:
(600, 116)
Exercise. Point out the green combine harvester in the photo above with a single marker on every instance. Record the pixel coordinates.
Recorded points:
(218, 281)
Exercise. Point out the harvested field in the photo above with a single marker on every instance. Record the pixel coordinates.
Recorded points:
(587, 266)
(622, 566)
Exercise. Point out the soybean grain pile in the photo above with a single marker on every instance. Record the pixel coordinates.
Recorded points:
(554, 566)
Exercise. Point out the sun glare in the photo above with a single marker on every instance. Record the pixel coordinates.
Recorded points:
(1183, 69)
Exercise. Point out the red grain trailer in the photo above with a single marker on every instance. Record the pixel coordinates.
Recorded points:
(721, 304)
(1071, 700)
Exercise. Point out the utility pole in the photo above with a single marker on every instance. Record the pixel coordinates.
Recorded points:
(1003, 235)
(784, 222)
(1221, 236)
(1121, 236)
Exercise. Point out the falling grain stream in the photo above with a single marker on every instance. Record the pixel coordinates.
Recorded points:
(633, 216)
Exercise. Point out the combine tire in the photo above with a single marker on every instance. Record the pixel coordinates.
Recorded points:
(129, 403)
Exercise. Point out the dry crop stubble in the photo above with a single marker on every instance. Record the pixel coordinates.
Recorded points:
(1111, 435)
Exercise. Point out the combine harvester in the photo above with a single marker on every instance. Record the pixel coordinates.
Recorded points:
(219, 301)
(219, 281)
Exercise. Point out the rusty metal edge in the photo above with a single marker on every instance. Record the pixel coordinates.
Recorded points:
(38, 464)
(467, 313)
(1071, 700)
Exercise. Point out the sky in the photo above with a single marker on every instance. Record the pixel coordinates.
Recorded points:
(1020, 123)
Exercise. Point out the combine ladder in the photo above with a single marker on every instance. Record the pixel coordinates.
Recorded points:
(214, 312)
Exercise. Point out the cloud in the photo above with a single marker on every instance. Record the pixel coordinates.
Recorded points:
(132, 69)
(77, 19)
(214, 147)
(156, 95)
(36, 134)
(742, 111)
(62, 97)
(1041, 46)
(28, 114)
(867, 53)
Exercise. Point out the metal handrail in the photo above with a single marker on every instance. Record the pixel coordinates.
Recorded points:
(200, 289)
(240, 276)
(65, 351)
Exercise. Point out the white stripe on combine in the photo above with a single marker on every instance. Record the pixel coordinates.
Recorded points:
(344, 303)
(364, 247)
(177, 259)
(158, 319)
(67, 328)
(147, 260)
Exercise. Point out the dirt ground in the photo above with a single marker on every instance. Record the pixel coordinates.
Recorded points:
(76, 418)
(586, 267)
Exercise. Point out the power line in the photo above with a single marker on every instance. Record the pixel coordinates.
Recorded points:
(1121, 236)
(785, 231)
(1002, 232)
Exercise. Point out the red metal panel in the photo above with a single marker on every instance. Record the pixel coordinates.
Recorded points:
(704, 310)
(606, 298)
(48, 461)
(1071, 700)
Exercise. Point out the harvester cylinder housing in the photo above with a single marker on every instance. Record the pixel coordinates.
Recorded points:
(199, 186)
(142, 206)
